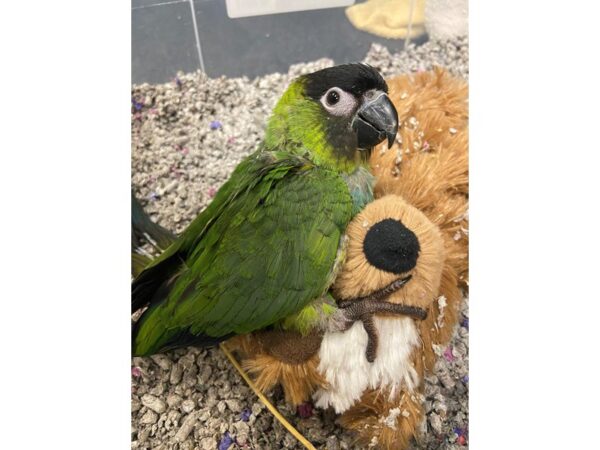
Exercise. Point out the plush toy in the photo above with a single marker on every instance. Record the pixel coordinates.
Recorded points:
(401, 281)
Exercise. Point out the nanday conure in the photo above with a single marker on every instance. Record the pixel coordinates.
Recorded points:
(267, 248)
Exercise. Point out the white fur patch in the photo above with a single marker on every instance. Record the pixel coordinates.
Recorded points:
(344, 364)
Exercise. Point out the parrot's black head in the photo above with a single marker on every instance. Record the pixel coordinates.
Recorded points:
(337, 114)
(355, 95)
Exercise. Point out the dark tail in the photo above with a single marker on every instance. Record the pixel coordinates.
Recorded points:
(144, 230)
(154, 283)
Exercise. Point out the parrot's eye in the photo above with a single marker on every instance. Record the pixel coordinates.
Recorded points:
(332, 98)
(338, 102)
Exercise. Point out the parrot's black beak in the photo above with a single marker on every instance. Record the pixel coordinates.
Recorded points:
(375, 120)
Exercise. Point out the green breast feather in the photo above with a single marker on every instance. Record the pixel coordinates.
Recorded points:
(263, 249)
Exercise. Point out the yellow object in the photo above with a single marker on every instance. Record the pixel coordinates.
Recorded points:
(266, 401)
(390, 19)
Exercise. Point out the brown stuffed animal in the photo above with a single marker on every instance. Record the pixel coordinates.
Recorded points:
(429, 167)
(406, 263)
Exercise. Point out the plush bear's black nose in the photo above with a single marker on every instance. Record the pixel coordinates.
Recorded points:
(392, 247)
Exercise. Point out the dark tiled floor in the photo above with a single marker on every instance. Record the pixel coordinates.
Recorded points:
(163, 40)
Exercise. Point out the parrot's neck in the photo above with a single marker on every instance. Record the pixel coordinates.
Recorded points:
(360, 184)
(298, 125)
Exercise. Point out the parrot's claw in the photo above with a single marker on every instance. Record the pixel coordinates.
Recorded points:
(363, 308)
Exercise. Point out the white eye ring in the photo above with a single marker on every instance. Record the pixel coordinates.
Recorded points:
(338, 102)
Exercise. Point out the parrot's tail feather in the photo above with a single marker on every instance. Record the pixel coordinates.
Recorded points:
(152, 285)
(138, 262)
(172, 341)
(149, 284)
(143, 229)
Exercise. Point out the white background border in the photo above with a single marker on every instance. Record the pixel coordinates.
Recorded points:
(65, 225)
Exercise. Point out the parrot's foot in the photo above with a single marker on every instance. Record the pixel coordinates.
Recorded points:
(363, 308)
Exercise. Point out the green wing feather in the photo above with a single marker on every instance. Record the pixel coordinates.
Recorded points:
(262, 250)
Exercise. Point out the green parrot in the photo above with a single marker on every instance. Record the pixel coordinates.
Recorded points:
(268, 247)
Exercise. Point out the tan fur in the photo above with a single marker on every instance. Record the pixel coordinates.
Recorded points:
(298, 380)
(430, 170)
(423, 182)
(245, 345)
(262, 358)
(432, 332)
(359, 278)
